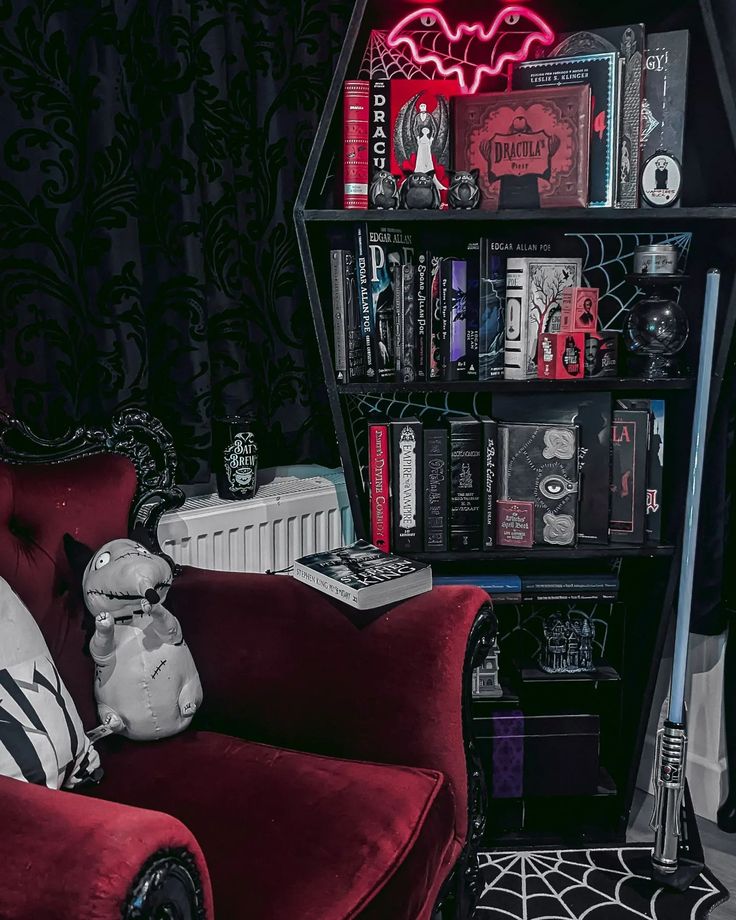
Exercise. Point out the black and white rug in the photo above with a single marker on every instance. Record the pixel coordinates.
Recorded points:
(607, 884)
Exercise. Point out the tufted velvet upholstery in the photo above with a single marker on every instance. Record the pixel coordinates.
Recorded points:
(89, 498)
(279, 664)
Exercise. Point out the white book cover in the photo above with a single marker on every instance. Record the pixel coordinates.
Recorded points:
(534, 289)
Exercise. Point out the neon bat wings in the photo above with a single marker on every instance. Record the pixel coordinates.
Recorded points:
(470, 50)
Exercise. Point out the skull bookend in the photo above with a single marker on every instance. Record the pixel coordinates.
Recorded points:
(146, 683)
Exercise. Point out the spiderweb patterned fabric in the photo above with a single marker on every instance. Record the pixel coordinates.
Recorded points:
(601, 884)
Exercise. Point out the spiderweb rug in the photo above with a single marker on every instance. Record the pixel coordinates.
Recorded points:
(608, 884)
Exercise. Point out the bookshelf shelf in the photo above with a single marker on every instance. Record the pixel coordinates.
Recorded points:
(630, 384)
(530, 673)
(580, 552)
(649, 573)
(557, 215)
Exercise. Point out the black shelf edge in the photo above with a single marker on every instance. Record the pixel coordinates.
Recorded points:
(531, 673)
(612, 551)
(708, 212)
(596, 384)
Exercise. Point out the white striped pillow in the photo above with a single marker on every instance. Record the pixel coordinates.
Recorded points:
(41, 735)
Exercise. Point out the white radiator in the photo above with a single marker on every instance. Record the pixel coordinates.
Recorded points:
(288, 518)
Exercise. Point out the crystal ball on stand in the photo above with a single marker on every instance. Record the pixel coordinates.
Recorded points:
(656, 330)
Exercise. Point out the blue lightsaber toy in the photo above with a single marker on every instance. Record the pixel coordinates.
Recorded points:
(671, 758)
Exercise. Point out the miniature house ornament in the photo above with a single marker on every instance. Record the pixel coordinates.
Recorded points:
(568, 644)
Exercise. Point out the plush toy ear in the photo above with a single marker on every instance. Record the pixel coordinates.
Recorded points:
(408, 172)
(475, 173)
(78, 554)
(430, 174)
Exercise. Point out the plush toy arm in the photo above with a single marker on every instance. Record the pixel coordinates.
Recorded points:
(165, 624)
(102, 644)
(108, 851)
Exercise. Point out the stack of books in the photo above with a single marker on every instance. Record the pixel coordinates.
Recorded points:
(588, 472)
(402, 315)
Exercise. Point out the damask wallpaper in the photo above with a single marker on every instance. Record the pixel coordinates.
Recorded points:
(150, 156)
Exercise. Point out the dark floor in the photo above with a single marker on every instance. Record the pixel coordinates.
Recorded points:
(720, 850)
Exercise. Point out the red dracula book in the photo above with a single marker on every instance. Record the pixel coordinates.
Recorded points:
(419, 122)
(356, 104)
(532, 147)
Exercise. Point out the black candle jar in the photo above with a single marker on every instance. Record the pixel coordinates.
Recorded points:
(235, 456)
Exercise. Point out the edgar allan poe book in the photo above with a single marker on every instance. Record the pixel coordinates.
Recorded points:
(388, 248)
(531, 147)
(601, 72)
(363, 576)
(539, 464)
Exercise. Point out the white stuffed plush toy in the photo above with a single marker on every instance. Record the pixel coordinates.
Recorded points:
(146, 683)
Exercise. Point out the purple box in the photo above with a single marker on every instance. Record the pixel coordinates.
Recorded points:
(539, 755)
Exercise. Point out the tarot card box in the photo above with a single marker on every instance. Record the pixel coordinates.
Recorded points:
(561, 356)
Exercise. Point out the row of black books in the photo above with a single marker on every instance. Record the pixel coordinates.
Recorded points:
(588, 473)
(404, 315)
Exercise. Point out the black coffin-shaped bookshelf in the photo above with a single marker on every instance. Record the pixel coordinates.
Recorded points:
(633, 631)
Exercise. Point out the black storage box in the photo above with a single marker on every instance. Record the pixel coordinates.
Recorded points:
(539, 755)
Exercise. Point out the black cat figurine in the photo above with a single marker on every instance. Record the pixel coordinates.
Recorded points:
(384, 191)
(464, 191)
(418, 191)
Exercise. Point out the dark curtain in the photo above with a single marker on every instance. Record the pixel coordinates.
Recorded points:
(150, 157)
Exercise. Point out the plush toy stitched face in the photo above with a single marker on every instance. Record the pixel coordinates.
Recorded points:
(119, 575)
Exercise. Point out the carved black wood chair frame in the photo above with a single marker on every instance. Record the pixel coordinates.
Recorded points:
(168, 886)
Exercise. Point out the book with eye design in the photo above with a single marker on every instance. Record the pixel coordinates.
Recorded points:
(363, 576)
(539, 464)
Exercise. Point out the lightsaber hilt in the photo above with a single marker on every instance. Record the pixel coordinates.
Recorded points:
(669, 788)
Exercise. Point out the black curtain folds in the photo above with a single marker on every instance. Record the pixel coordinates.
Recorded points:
(150, 155)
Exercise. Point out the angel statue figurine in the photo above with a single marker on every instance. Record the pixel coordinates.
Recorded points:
(422, 137)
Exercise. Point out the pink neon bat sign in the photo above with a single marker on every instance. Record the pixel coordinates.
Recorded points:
(469, 72)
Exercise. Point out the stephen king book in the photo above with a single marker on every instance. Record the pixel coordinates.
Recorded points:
(532, 147)
(628, 41)
(458, 362)
(539, 464)
(356, 103)
(379, 478)
(601, 73)
(534, 291)
(407, 492)
(365, 311)
(489, 457)
(420, 128)
(388, 247)
(591, 414)
(466, 484)
(422, 285)
(363, 576)
(437, 490)
(629, 431)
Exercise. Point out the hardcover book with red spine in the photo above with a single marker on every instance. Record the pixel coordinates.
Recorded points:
(532, 147)
(356, 118)
(379, 479)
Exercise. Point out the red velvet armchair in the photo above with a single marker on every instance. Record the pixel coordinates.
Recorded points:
(356, 794)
